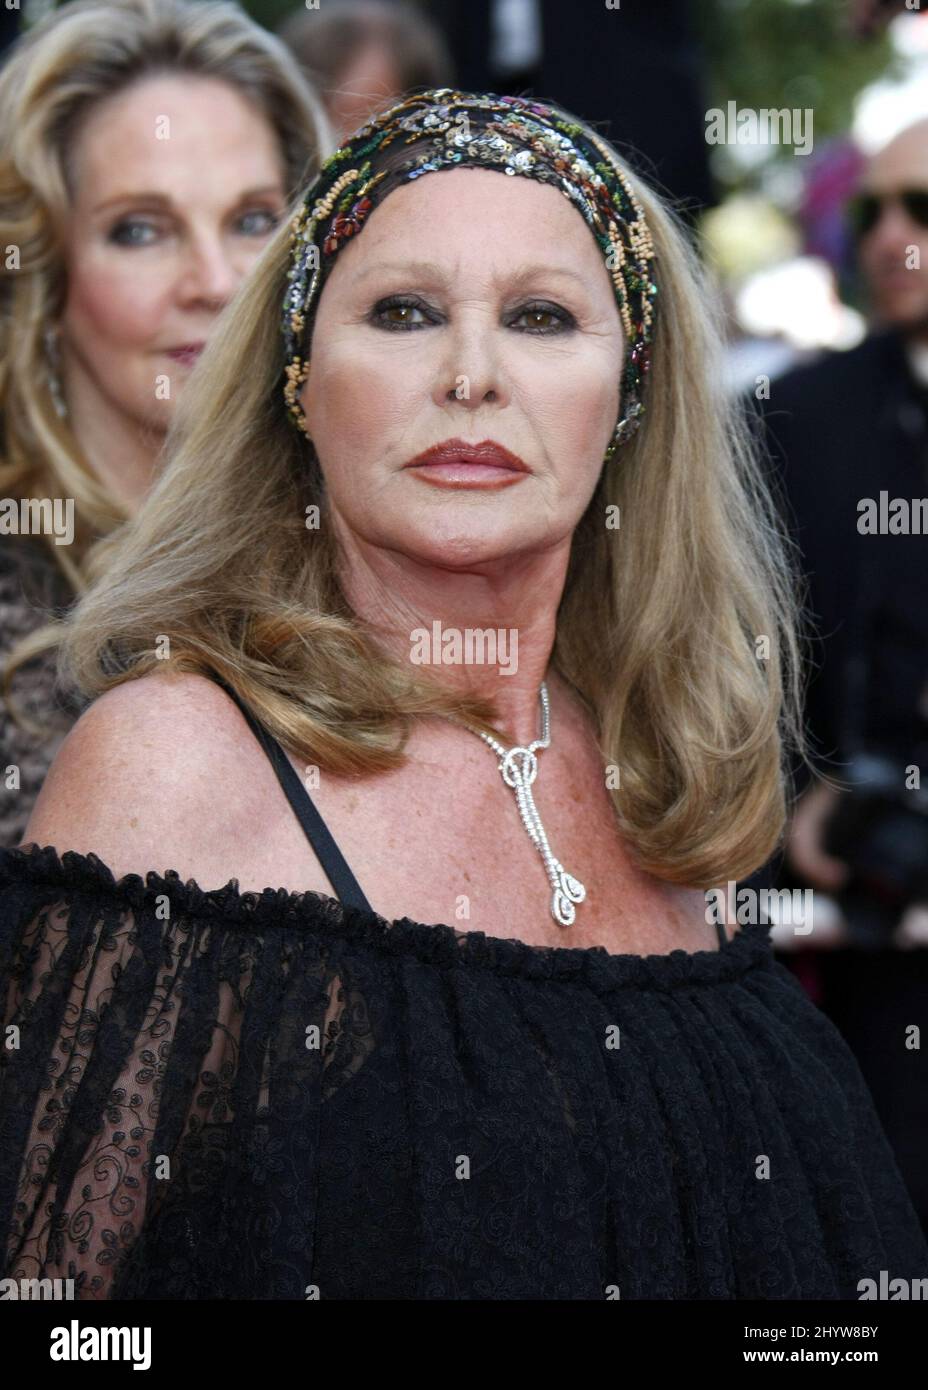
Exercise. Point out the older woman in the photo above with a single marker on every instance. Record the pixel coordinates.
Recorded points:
(459, 602)
(150, 149)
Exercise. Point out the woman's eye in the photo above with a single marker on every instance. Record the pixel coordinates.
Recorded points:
(544, 318)
(540, 319)
(397, 314)
(266, 223)
(124, 233)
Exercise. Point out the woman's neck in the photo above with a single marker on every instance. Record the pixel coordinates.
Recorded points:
(495, 634)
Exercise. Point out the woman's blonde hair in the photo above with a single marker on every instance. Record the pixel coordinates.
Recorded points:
(678, 630)
(55, 74)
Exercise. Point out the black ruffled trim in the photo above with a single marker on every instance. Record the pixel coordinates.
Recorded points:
(439, 944)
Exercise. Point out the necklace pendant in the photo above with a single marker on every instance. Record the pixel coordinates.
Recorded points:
(567, 891)
(519, 768)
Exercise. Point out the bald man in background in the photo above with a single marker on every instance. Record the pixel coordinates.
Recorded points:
(849, 431)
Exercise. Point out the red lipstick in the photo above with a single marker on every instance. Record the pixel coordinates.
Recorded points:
(455, 463)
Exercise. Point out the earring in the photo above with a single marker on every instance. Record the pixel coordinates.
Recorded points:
(626, 427)
(53, 365)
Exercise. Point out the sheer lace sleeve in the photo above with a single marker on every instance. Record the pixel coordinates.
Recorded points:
(31, 590)
(143, 1031)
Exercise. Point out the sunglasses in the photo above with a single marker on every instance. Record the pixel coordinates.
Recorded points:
(866, 209)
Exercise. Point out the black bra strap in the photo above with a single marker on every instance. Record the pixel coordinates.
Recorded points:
(317, 832)
(723, 939)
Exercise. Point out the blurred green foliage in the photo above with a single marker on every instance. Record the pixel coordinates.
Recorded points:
(270, 12)
(790, 53)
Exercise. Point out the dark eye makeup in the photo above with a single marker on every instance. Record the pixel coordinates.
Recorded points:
(563, 319)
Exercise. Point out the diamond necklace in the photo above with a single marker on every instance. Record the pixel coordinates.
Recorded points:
(519, 768)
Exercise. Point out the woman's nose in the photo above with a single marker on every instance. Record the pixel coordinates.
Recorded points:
(473, 368)
(209, 273)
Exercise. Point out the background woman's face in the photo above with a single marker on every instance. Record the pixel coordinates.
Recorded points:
(178, 184)
(471, 306)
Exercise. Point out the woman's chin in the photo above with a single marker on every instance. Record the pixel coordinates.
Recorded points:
(464, 549)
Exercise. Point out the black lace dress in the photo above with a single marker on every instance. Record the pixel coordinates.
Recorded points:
(216, 1094)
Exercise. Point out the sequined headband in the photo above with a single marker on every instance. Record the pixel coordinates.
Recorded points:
(443, 128)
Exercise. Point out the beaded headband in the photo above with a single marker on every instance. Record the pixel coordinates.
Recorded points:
(445, 128)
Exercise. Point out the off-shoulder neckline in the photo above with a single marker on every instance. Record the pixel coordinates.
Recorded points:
(437, 943)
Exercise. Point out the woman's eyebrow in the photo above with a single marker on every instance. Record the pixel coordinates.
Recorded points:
(437, 272)
(157, 198)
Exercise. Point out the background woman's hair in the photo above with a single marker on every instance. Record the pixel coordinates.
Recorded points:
(678, 630)
(54, 76)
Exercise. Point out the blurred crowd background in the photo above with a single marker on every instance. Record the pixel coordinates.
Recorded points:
(816, 244)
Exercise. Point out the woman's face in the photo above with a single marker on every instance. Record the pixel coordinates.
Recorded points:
(177, 185)
(470, 307)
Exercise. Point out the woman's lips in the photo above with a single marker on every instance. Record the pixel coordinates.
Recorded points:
(187, 355)
(455, 463)
(461, 473)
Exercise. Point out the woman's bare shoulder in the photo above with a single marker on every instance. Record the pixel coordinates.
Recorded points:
(144, 774)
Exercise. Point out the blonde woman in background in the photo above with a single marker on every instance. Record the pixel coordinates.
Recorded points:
(150, 147)
(375, 1040)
